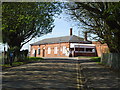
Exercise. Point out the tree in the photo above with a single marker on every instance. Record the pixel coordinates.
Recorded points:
(22, 21)
(102, 19)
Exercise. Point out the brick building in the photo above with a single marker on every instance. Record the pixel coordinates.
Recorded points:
(65, 46)
(100, 48)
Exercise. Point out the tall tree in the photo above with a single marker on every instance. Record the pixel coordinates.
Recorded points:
(22, 21)
(102, 19)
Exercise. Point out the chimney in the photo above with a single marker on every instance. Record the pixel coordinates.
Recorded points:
(85, 36)
(70, 31)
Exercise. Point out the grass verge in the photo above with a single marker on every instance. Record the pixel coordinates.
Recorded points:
(18, 63)
(96, 59)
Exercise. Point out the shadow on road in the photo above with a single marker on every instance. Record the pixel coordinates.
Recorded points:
(50, 73)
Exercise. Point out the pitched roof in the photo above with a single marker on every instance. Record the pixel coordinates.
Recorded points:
(72, 38)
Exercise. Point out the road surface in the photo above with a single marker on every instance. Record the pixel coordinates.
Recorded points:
(50, 74)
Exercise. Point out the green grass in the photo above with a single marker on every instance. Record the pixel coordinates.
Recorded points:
(34, 58)
(27, 60)
(5, 65)
(18, 63)
(97, 59)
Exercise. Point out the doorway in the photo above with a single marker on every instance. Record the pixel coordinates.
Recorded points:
(43, 52)
(35, 53)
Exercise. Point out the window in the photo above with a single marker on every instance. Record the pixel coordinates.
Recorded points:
(55, 50)
(64, 49)
(38, 51)
(88, 49)
(49, 50)
(61, 49)
(33, 51)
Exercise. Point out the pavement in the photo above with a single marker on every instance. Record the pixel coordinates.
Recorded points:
(60, 74)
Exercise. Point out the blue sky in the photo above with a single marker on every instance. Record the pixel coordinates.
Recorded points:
(62, 27)
(62, 23)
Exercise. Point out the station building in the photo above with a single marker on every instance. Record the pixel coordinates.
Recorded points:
(66, 46)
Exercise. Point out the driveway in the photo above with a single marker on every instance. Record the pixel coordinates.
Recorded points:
(50, 74)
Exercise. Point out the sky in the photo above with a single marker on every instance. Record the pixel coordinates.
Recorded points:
(62, 23)
(62, 28)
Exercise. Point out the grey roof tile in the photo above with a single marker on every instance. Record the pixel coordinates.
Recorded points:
(72, 38)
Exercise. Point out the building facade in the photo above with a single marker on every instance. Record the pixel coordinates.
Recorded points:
(67, 46)
(101, 48)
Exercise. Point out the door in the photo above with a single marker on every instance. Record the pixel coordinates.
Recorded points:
(35, 53)
(43, 52)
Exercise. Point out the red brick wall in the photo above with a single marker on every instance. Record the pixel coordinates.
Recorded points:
(45, 47)
(101, 48)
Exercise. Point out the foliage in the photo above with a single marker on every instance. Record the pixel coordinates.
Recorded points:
(22, 55)
(101, 19)
(22, 21)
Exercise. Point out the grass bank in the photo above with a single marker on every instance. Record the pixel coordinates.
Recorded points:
(96, 59)
(18, 63)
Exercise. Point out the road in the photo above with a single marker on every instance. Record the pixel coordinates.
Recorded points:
(50, 74)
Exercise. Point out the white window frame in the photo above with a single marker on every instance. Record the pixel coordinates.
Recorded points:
(55, 50)
(64, 50)
(49, 50)
(33, 51)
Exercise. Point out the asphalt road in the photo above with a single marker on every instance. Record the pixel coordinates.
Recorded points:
(50, 74)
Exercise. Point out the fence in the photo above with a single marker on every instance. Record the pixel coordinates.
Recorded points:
(111, 59)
